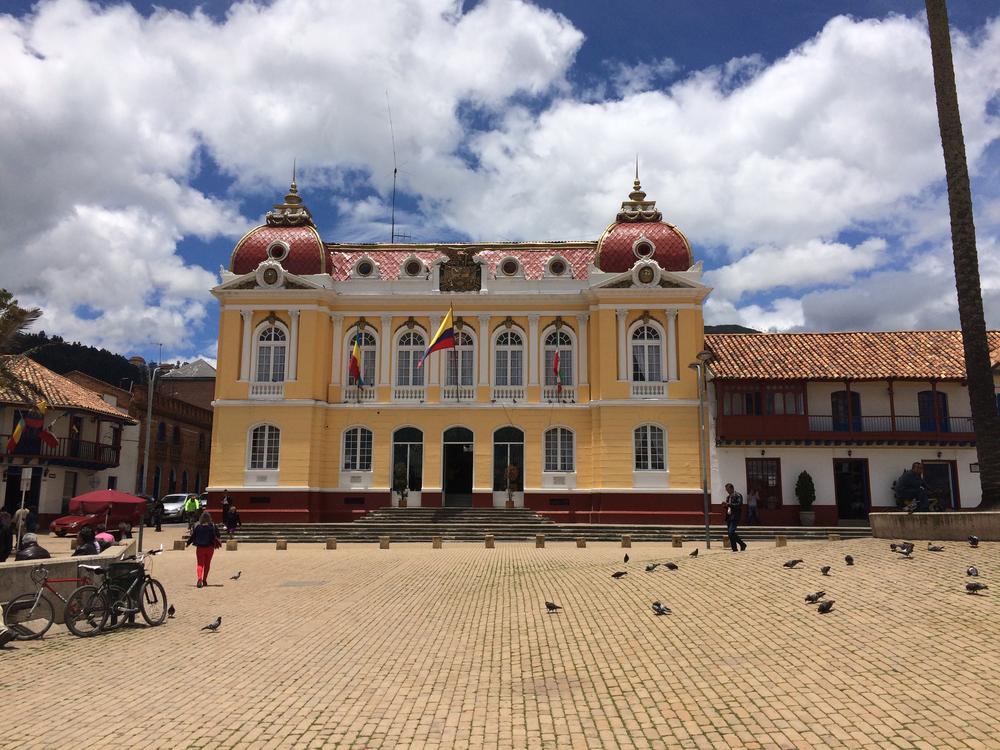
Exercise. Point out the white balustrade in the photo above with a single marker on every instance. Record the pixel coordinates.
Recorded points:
(408, 393)
(554, 393)
(458, 393)
(508, 393)
(364, 394)
(648, 389)
(267, 391)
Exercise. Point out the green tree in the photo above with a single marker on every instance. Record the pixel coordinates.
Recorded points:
(979, 375)
(14, 320)
(805, 491)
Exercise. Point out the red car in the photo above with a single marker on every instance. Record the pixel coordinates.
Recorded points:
(106, 508)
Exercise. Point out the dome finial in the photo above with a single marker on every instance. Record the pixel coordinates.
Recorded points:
(637, 194)
(637, 208)
(293, 211)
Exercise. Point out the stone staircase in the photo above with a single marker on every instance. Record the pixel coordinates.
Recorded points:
(516, 524)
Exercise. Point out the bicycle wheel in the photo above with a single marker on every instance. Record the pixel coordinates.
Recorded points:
(119, 608)
(153, 602)
(87, 610)
(28, 616)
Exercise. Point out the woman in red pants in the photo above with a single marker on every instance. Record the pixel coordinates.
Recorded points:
(205, 538)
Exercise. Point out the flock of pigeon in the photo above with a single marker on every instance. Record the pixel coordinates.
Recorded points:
(825, 605)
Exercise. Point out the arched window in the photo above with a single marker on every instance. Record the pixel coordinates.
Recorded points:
(408, 352)
(367, 344)
(408, 458)
(650, 448)
(265, 441)
(271, 347)
(509, 359)
(561, 342)
(358, 449)
(461, 361)
(161, 432)
(559, 449)
(647, 355)
(176, 437)
(508, 459)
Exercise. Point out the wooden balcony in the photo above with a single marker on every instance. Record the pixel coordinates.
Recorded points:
(815, 427)
(68, 452)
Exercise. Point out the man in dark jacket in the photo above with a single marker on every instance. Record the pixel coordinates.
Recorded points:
(911, 487)
(85, 543)
(30, 550)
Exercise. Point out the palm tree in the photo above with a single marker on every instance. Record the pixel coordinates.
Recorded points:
(14, 319)
(963, 241)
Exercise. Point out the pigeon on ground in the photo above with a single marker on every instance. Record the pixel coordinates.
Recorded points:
(552, 606)
(171, 611)
(155, 551)
(6, 636)
(626, 558)
(934, 547)
(825, 570)
(237, 576)
(792, 563)
(972, 570)
(695, 553)
(213, 626)
(975, 587)
(814, 597)
(905, 549)
(651, 567)
(849, 560)
(619, 574)
(826, 606)
(670, 566)
(973, 541)
(659, 609)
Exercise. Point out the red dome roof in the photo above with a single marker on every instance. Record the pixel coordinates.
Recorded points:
(306, 254)
(616, 249)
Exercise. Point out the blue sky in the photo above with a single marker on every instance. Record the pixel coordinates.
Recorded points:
(794, 142)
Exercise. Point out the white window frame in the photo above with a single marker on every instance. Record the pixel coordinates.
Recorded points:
(544, 363)
(651, 478)
(257, 344)
(461, 352)
(358, 468)
(415, 352)
(370, 378)
(496, 347)
(559, 470)
(264, 475)
(663, 350)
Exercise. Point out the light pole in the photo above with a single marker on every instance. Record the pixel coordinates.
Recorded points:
(150, 384)
(701, 368)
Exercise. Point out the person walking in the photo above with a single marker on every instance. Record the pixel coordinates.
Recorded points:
(191, 506)
(226, 502)
(734, 503)
(752, 499)
(206, 540)
(232, 520)
(158, 514)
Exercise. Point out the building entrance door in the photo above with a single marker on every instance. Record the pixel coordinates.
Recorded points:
(851, 487)
(456, 480)
(941, 478)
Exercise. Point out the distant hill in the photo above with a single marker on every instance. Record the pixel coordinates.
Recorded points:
(730, 328)
(62, 357)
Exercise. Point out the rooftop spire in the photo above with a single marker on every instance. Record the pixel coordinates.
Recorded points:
(293, 211)
(637, 208)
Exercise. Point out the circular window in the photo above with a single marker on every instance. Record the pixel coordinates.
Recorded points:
(557, 267)
(644, 249)
(270, 276)
(413, 267)
(366, 268)
(646, 275)
(509, 267)
(277, 250)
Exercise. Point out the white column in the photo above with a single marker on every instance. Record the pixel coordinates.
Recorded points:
(622, 345)
(384, 376)
(484, 349)
(671, 345)
(293, 346)
(533, 349)
(338, 345)
(434, 366)
(581, 337)
(247, 316)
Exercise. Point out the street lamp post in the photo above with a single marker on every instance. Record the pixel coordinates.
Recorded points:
(701, 368)
(150, 384)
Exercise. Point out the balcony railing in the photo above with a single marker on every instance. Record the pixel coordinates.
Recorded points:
(355, 394)
(824, 426)
(649, 390)
(882, 423)
(508, 393)
(552, 393)
(69, 451)
(267, 391)
(458, 393)
(408, 393)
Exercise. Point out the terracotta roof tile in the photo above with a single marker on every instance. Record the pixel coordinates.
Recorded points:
(60, 392)
(862, 355)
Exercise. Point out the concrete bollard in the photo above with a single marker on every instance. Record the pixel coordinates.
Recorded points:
(383, 542)
(231, 545)
(179, 545)
(489, 541)
(780, 541)
(581, 542)
(833, 537)
(676, 540)
(331, 543)
(539, 541)
(281, 544)
(435, 542)
(626, 540)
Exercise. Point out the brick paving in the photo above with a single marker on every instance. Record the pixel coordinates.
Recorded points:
(452, 648)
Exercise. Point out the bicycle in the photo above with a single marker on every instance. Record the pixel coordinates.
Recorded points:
(127, 590)
(29, 616)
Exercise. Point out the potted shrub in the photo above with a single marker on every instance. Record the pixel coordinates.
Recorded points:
(805, 492)
(510, 475)
(400, 485)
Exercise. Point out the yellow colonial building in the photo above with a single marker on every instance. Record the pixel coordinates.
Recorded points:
(613, 437)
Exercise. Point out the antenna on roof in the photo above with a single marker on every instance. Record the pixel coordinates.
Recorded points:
(392, 135)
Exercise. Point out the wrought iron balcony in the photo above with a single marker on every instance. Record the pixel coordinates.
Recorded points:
(68, 451)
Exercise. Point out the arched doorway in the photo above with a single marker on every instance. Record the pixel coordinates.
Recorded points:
(508, 466)
(456, 469)
(408, 464)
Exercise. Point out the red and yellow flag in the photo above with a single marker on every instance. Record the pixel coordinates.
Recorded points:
(444, 338)
(16, 435)
(355, 363)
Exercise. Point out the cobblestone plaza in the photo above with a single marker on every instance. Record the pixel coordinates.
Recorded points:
(452, 648)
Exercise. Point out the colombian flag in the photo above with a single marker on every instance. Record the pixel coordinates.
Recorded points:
(444, 338)
(555, 370)
(16, 436)
(355, 364)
